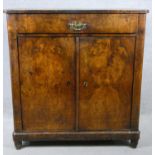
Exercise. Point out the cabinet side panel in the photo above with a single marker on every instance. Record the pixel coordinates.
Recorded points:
(138, 73)
(11, 24)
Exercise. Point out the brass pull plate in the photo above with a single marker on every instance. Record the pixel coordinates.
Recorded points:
(77, 26)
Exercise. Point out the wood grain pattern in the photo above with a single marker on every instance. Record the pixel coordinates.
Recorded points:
(58, 23)
(14, 65)
(106, 63)
(138, 73)
(47, 83)
(77, 81)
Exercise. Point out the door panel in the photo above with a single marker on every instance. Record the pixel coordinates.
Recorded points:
(106, 75)
(47, 79)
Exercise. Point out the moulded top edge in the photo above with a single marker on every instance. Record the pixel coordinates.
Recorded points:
(74, 11)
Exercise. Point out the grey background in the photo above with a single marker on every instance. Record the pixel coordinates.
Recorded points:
(146, 94)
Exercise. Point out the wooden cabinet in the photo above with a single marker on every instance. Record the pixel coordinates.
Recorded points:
(76, 75)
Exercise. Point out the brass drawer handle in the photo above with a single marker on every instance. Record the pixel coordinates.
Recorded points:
(85, 83)
(77, 26)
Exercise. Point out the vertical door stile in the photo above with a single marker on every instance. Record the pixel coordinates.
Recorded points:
(77, 82)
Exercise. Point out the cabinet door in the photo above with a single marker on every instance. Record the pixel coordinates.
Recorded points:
(47, 83)
(106, 78)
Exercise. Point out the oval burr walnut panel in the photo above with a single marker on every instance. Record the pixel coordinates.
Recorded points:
(106, 78)
(47, 83)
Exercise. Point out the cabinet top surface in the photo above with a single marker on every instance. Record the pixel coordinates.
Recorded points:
(73, 11)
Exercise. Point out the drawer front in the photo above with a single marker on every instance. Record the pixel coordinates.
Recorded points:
(77, 23)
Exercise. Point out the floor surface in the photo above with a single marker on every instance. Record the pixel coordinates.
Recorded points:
(144, 146)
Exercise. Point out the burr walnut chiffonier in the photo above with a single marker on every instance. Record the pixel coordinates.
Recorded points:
(76, 75)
